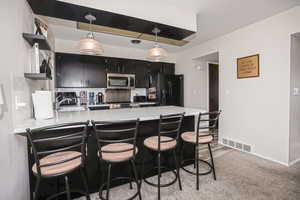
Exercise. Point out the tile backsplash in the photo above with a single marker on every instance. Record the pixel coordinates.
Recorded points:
(134, 92)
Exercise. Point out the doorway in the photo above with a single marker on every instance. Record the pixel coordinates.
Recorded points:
(213, 93)
(213, 77)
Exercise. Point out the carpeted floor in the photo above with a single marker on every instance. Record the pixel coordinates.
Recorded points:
(239, 176)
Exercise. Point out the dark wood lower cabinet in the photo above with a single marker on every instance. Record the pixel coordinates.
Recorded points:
(98, 173)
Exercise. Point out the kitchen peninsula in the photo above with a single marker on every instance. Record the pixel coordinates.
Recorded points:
(148, 127)
(144, 114)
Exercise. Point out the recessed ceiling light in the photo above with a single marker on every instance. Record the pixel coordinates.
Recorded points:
(136, 41)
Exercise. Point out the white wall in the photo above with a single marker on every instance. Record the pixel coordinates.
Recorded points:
(295, 101)
(70, 46)
(255, 110)
(16, 18)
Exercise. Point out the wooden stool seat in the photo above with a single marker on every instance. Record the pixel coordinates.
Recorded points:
(59, 168)
(118, 156)
(116, 143)
(192, 138)
(152, 143)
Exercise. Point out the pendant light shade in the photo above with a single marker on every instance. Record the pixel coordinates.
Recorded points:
(156, 53)
(89, 45)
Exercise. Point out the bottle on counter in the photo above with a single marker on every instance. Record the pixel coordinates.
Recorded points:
(83, 97)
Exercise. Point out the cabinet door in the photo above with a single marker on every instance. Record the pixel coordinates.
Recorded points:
(168, 68)
(128, 66)
(142, 74)
(69, 71)
(95, 72)
(155, 67)
(114, 65)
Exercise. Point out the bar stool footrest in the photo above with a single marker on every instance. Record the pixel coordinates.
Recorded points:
(194, 173)
(117, 179)
(64, 193)
(161, 185)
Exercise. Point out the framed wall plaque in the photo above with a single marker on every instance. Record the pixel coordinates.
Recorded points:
(248, 67)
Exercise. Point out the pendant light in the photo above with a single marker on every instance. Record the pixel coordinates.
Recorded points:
(89, 45)
(157, 53)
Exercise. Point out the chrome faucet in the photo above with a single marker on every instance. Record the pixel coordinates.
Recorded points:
(58, 103)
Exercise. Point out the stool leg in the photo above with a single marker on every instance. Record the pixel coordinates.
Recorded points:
(36, 189)
(85, 183)
(197, 166)
(57, 187)
(143, 168)
(158, 177)
(212, 161)
(108, 182)
(136, 178)
(129, 170)
(182, 153)
(177, 169)
(67, 188)
(195, 162)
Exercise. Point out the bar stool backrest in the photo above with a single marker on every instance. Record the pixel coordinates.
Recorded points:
(59, 138)
(208, 121)
(116, 132)
(169, 126)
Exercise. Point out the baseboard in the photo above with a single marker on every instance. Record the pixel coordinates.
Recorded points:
(258, 155)
(294, 162)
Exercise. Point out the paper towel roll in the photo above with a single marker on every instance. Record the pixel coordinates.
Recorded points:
(42, 103)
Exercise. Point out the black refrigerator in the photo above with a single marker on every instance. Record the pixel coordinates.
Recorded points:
(168, 88)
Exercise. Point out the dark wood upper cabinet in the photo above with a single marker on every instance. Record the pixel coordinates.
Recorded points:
(70, 71)
(82, 71)
(142, 69)
(95, 72)
(155, 67)
(168, 68)
(114, 65)
(128, 66)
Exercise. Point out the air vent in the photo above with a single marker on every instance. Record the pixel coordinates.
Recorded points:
(236, 145)
(247, 148)
(239, 145)
(231, 143)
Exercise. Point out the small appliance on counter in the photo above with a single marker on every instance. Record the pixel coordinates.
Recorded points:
(83, 98)
(100, 98)
(43, 105)
(91, 98)
(139, 99)
(152, 96)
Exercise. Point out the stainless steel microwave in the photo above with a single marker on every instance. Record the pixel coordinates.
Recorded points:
(120, 81)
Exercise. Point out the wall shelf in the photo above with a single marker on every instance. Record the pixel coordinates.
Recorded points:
(40, 39)
(37, 76)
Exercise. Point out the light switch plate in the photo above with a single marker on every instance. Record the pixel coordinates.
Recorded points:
(296, 91)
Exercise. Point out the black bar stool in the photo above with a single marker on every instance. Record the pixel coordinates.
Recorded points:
(167, 140)
(58, 151)
(210, 121)
(116, 143)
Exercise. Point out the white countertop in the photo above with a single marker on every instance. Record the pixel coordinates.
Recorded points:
(145, 114)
